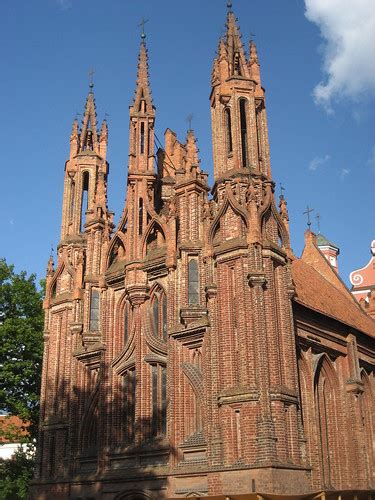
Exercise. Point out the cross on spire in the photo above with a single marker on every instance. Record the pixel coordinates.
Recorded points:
(91, 78)
(229, 5)
(308, 212)
(142, 25)
(282, 189)
(317, 217)
(189, 119)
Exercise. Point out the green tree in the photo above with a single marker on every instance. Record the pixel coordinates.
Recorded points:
(21, 349)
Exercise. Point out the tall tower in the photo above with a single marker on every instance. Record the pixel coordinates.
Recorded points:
(73, 288)
(239, 123)
(252, 355)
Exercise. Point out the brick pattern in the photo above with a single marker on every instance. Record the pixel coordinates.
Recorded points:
(264, 392)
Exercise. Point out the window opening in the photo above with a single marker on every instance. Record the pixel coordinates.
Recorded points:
(85, 197)
(142, 138)
(72, 200)
(159, 315)
(159, 400)
(94, 311)
(129, 407)
(193, 280)
(140, 216)
(243, 122)
(228, 125)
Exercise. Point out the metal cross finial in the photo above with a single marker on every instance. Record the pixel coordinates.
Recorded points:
(229, 4)
(189, 119)
(51, 249)
(142, 25)
(282, 189)
(317, 217)
(77, 115)
(91, 78)
(308, 212)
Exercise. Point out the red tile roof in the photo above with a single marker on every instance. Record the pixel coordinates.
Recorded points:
(316, 292)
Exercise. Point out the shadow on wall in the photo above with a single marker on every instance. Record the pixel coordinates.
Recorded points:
(93, 445)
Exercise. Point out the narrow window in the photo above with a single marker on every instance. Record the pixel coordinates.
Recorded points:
(129, 407)
(126, 322)
(72, 200)
(94, 311)
(142, 138)
(164, 316)
(243, 123)
(155, 315)
(159, 318)
(155, 409)
(140, 216)
(159, 400)
(193, 280)
(228, 126)
(163, 400)
(85, 197)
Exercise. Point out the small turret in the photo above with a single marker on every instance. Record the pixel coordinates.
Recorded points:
(329, 250)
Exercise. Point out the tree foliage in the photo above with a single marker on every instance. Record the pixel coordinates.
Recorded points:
(21, 345)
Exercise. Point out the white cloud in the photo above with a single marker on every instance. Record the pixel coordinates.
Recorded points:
(318, 161)
(344, 173)
(64, 4)
(348, 30)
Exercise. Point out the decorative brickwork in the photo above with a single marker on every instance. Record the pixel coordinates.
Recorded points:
(188, 352)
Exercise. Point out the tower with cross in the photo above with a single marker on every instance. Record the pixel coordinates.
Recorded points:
(188, 351)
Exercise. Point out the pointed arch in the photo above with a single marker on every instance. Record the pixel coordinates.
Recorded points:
(116, 250)
(135, 495)
(158, 312)
(229, 201)
(278, 233)
(367, 404)
(89, 438)
(154, 236)
(124, 322)
(326, 398)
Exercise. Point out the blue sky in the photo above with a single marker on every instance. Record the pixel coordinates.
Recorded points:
(322, 140)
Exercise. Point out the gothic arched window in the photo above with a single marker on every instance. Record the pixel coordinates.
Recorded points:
(130, 385)
(72, 200)
(142, 138)
(193, 281)
(228, 128)
(140, 216)
(85, 197)
(243, 126)
(127, 321)
(94, 311)
(159, 314)
(159, 400)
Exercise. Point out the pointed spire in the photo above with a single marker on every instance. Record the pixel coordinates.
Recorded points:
(192, 158)
(50, 266)
(143, 98)
(74, 138)
(89, 133)
(254, 63)
(235, 50)
(284, 212)
(103, 139)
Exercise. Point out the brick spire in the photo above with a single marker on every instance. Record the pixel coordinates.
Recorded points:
(89, 133)
(142, 119)
(237, 63)
(143, 97)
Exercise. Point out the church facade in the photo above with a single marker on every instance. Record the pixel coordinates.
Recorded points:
(188, 351)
